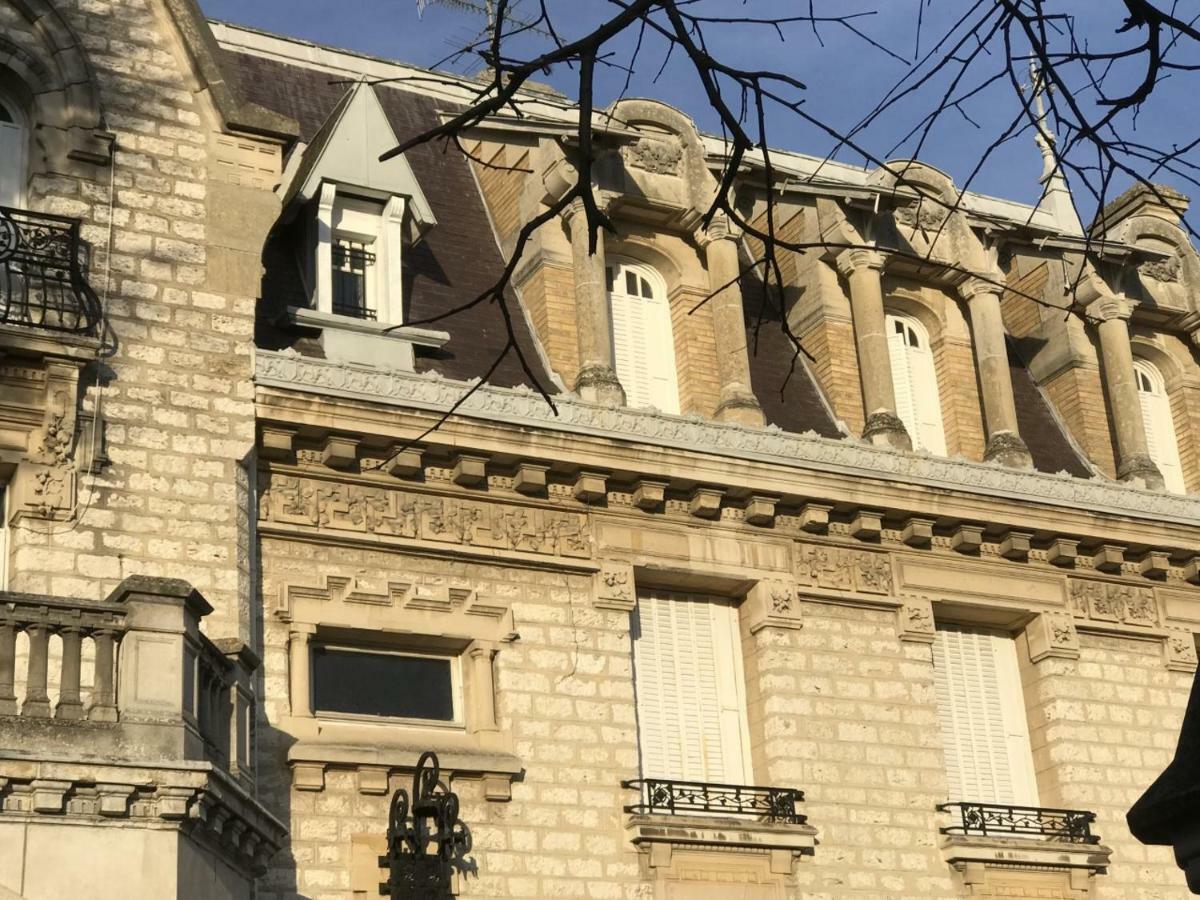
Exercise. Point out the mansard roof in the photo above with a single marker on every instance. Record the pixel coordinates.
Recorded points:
(459, 259)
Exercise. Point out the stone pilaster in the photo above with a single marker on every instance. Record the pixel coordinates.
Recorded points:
(861, 268)
(736, 402)
(1004, 443)
(597, 380)
(1110, 314)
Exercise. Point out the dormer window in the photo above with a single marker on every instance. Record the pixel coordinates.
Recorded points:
(1159, 425)
(643, 342)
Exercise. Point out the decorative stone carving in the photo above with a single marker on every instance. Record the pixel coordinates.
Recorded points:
(842, 569)
(654, 156)
(312, 503)
(774, 603)
(923, 214)
(615, 587)
(1162, 269)
(1179, 646)
(1115, 602)
(1052, 634)
(522, 406)
(914, 620)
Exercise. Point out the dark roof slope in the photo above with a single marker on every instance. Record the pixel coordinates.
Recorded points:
(456, 262)
(1043, 435)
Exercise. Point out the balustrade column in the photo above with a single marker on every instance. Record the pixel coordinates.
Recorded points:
(1004, 442)
(862, 268)
(69, 705)
(8, 669)
(1134, 464)
(300, 662)
(37, 698)
(597, 380)
(736, 401)
(104, 697)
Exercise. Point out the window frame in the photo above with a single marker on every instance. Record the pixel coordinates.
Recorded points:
(458, 722)
(20, 123)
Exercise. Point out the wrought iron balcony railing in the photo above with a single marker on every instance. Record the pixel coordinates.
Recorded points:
(996, 820)
(662, 797)
(43, 277)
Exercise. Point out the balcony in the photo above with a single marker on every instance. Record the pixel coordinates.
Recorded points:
(996, 820)
(43, 274)
(122, 712)
(673, 815)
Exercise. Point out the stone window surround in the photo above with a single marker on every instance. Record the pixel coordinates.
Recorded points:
(404, 616)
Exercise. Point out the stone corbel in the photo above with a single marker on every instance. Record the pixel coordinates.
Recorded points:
(773, 603)
(45, 485)
(996, 866)
(1052, 635)
(1179, 647)
(914, 620)
(615, 587)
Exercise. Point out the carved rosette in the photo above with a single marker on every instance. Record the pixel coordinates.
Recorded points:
(1052, 635)
(615, 587)
(773, 603)
(914, 620)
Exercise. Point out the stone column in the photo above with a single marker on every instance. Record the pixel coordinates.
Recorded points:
(1004, 442)
(597, 380)
(1111, 316)
(736, 401)
(861, 268)
(483, 688)
(37, 698)
(104, 696)
(69, 705)
(300, 664)
(8, 669)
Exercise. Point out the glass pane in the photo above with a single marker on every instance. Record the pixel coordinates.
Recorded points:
(382, 684)
(5, 114)
(646, 292)
(608, 276)
(912, 338)
(631, 284)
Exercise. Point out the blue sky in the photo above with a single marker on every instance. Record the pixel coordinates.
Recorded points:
(844, 75)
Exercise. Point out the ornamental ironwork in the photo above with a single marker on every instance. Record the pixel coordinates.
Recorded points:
(767, 804)
(997, 820)
(426, 839)
(43, 281)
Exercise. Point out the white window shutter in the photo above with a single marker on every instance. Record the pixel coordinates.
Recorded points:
(643, 342)
(914, 381)
(901, 378)
(1159, 426)
(690, 698)
(982, 716)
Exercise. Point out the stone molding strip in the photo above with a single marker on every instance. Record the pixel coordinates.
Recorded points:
(522, 406)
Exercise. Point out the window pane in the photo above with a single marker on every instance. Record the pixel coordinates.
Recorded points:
(351, 260)
(382, 684)
(631, 284)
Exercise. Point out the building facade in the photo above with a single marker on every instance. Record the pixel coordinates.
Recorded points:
(912, 618)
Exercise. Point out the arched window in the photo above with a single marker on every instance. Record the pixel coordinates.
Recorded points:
(13, 138)
(918, 403)
(1159, 425)
(643, 345)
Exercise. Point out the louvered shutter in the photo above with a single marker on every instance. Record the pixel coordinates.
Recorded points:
(914, 381)
(12, 163)
(690, 699)
(643, 343)
(1159, 426)
(981, 712)
(901, 375)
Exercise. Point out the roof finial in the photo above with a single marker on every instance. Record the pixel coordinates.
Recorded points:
(1056, 195)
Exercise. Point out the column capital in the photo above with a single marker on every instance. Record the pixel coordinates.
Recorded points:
(851, 260)
(575, 207)
(719, 229)
(1107, 308)
(978, 285)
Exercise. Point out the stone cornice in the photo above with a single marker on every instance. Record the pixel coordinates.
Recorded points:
(288, 370)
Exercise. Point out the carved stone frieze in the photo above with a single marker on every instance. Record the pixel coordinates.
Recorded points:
(522, 406)
(1052, 634)
(654, 156)
(914, 620)
(1113, 602)
(1162, 269)
(615, 587)
(843, 569)
(773, 602)
(313, 503)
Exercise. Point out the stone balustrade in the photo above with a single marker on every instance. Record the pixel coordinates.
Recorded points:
(160, 689)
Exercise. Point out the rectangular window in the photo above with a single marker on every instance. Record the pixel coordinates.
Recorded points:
(981, 710)
(690, 689)
(354, 682)
(352, 274)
